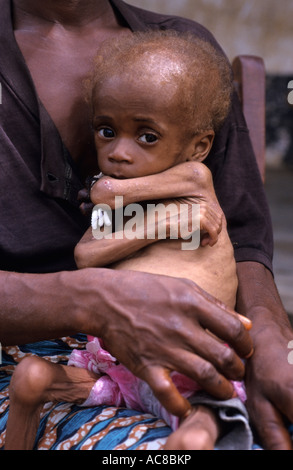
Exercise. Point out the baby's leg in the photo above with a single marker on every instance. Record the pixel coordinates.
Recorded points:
(199, 431)
(35, 382)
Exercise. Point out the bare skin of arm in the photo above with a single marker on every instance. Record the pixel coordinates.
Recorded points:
(90, 252)
(73, 307)
(120, 251)
(259, 300)
(181, 181)
(76, 306)
(269, 374)
(187, 179)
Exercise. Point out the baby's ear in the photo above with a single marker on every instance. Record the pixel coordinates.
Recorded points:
(201, 145)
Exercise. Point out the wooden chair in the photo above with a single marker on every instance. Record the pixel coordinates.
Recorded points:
(249, 79)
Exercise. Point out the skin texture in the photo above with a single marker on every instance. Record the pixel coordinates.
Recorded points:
(269, 374)
(73, 308)
(138, 136)
(159, 60)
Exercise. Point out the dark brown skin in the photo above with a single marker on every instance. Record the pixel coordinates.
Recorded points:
(40, 28)
(269, 375)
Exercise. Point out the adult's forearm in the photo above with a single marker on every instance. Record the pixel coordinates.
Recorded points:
(128, 310)
(40, 306)
(258, 297)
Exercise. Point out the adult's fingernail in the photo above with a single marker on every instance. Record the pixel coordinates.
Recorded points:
(246, 322)
(250, 354)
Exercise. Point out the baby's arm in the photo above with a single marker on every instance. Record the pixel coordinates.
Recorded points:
(183, 180)
(92, 252)
(188, 183)
(189, 180)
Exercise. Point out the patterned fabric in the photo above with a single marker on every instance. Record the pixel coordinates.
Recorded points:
(119, 387)
(67, 426)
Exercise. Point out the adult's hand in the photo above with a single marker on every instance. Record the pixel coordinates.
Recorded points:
(157, 324)
(270, 389)
(152, 324)
(269, 373)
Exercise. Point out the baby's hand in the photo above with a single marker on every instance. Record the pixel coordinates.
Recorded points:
(211, 214)
(211, 223)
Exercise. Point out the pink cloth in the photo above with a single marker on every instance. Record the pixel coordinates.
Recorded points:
(117, 386)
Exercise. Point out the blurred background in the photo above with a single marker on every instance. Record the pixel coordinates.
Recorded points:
(264, 28)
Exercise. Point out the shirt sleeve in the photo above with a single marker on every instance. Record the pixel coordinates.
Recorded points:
(240, 190)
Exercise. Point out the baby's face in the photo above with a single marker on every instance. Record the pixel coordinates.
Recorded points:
(137, 129)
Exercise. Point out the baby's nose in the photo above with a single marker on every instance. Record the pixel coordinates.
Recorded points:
(120, 153)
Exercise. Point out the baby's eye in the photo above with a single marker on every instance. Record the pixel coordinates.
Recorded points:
(148, 138)
(106, 133)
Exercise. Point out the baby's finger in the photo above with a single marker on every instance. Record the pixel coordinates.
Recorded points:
(211, 226)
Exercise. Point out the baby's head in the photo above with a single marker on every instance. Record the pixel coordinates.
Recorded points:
(175, 79)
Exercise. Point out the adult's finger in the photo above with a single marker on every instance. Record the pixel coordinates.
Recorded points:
(270, 427)
(204, 353)
(206, 375)
(202, 372)
(83, 195)
(86, 208)
(225, 324)
(165, 390)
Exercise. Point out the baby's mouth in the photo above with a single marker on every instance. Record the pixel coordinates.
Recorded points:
(118, 177)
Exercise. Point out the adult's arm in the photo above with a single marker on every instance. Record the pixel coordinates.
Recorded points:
(269, 373)
(44, 306)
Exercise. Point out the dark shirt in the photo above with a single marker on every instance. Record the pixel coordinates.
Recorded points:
(40, 221)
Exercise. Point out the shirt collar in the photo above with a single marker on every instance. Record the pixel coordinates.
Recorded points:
(58, 176)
